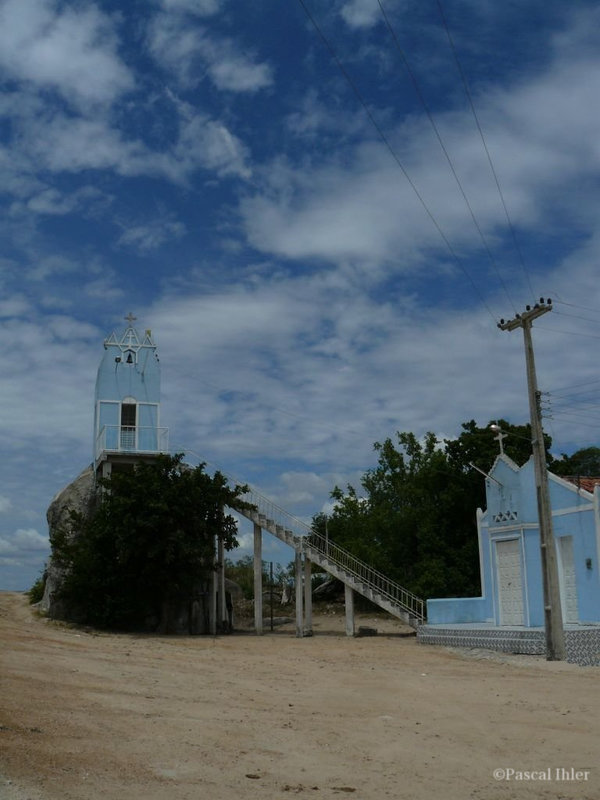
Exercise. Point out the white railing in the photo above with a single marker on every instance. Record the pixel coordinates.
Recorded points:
(323, 551)
(277, 515)
(132, 439)
(363, 573)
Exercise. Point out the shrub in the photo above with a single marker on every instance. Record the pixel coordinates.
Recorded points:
(37, 590)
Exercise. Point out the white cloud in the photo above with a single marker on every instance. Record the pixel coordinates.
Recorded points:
(105, 288)
(40, 350)
(72, 145)
(201, 8)
(233, 71)
(151, 235)
(306, 401)
(301, 489)
(66, 144)
(207, 143)
(318, 120)
(22, 543)
(191, 53)
(30, 539)
(73, 50)
(47, 266)
(336, 213)
(177, 46)
(361, 13)
(16, 306)
(580, 36)
(51, 201)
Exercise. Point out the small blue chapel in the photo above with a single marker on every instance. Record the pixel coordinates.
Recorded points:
(509, 614)
(127, 402)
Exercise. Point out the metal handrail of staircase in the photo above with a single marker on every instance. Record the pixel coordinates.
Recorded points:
(275, 514)
(311, 543)
(364, 573)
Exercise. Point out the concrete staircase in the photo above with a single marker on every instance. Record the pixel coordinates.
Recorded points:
(335, 560)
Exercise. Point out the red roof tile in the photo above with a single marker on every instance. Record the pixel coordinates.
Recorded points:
(587, 484)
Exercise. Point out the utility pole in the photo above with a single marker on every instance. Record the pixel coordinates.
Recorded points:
(555, 638)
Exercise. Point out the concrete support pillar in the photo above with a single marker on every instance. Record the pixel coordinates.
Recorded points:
(307, 597)
(212, 603)
(349, 602)
(223, 621)
(299, 595)
(258, 588)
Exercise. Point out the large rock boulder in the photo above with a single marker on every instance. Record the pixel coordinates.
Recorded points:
(77, 496)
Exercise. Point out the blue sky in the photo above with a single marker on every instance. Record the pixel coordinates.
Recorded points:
(320, 221)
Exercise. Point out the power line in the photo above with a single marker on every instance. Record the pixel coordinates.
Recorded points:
(393, 153)
(579, 423)
(444, 149)
(574, 305)
(575, 407)
(582, 403)
(573, 386)
(568, 395)
(576, 411)
(578, 316)
(568, 419)
(570, 333)
(572, 408)
(485, 147)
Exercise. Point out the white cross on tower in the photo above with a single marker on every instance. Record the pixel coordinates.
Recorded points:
(130, 318)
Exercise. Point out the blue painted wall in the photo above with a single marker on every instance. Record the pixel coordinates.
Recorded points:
(512, 514)
(458, 610)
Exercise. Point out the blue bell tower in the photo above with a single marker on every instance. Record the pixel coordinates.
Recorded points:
(127, 403)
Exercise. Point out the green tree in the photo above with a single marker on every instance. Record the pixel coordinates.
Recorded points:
(242, 572)
(36, 592)
(148, 544)
(584, 463)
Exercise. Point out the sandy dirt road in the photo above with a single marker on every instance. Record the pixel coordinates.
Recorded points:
(119, 717)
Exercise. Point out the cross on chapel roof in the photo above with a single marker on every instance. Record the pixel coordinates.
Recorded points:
(130, 318)
(500, 439)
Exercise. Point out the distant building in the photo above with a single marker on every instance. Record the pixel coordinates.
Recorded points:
(127, 403)
(511, 571)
